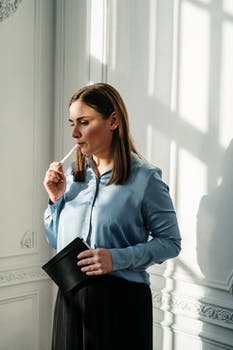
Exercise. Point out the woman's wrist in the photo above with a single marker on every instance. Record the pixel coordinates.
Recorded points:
(53, 200)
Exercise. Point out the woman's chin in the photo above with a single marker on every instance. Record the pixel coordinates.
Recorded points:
(86, 153)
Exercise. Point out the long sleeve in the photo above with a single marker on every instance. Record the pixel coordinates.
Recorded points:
(161, 222)
(136, 221)
(51, 221)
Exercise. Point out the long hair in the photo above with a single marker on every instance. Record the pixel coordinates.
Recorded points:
(105, 99)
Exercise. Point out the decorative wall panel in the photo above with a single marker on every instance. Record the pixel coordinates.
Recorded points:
(26, 136)
(13, 311)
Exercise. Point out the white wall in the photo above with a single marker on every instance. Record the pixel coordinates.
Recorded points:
(171, 61)
(26, 144)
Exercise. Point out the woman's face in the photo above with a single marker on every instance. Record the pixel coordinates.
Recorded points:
(91, 131)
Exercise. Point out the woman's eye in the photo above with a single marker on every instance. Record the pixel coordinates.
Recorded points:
(83, 122)
(80, 122)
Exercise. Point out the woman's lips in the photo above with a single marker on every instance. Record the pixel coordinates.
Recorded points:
(80, 144)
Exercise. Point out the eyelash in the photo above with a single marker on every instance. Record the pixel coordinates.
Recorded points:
(80, 123)
(84, 122)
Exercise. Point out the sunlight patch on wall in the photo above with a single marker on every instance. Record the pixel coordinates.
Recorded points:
(149, 135)
(226, 92)
(228, 6)
(173, 169)
(152, 46)
(113, 41)
(205, 2)
(158, 150)
(175, 55)
(97, 40)
(162, 152)
(194, 66)
(97, 17)
(192, 185)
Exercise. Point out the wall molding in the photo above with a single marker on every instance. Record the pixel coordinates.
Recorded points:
(8, 8)
(26, 246)
(206, 311)
(59, 79)
(20, 297)
(170, 273)
(28, 240)
(230, 282)
(205, 337)
(34, 298)
(23, 275)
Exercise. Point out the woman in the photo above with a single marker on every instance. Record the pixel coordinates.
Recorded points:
(118, 203)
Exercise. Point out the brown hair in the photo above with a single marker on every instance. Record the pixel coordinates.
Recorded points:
(105, 99)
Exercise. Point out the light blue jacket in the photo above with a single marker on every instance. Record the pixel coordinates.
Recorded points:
(136, 221)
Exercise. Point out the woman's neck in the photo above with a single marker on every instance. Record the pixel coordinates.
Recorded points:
(102, 164)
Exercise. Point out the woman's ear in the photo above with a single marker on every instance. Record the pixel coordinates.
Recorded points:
(113, 120)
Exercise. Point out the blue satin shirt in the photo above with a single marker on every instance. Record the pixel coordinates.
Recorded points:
(136, 221)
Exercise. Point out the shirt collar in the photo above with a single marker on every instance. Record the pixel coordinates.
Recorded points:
(91, 165)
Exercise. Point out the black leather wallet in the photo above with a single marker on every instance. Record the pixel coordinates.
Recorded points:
(63, 268)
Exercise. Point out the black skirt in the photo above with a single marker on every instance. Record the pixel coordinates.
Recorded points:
(107, 313)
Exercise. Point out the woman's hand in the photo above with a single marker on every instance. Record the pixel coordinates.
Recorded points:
(55, 181)
(95, 261)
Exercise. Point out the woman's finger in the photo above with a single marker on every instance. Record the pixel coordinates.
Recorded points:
(95, 261)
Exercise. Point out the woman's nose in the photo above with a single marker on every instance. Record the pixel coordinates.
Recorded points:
(76, 134)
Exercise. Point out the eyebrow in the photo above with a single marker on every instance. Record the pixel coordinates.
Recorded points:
(77, 119)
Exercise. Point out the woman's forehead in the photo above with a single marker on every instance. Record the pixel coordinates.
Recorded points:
(81, 108)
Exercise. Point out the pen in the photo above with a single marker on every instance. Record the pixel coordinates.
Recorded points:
(68, 154)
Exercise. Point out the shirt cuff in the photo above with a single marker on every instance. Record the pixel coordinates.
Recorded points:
(52, 207)
(120, 258)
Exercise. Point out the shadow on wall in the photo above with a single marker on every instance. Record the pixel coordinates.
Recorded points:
(214, 226)
(186, 135)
